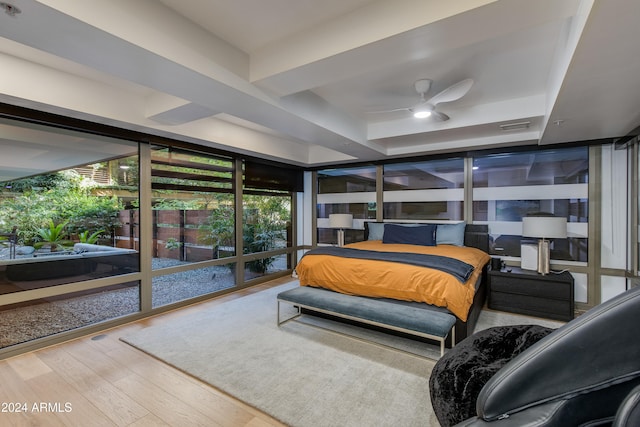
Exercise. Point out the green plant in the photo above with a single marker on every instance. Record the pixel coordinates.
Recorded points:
(61, 197)
(53, 236)
(263, 227)
(220, 229)
(256, 239)
(92, 238)
(62, 179)
(172, 244)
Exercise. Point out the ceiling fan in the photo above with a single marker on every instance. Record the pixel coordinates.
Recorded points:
(427, 107)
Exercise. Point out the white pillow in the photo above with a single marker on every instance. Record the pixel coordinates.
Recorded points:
(450, 234)
(376, 230)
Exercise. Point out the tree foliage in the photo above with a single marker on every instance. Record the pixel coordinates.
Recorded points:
(264, 226)
(61, 198)
(49, 181)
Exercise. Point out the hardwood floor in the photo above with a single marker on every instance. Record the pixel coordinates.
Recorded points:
(98, 380)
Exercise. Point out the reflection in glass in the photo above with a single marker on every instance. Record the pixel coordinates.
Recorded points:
(328, 236)
(347, 180)
(544, 174)
(358, 210)
(44, 270)
(444, 210)
(570, 249)
(546, 167)
(575, 210)
(433, 174)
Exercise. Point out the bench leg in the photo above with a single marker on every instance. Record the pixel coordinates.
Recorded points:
(280, 322)
(444, 339)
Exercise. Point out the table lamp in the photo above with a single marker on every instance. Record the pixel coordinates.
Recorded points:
(544, 227)
(341, 221)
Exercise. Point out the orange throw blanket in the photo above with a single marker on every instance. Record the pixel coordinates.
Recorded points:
(383, 279)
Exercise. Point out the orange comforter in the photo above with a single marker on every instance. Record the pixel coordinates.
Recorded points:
(394, 280)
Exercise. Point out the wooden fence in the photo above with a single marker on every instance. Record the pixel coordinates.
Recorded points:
(177, 234)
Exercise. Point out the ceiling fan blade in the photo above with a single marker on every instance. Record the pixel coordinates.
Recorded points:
(439, 117)
(452, 93)
(389, 111)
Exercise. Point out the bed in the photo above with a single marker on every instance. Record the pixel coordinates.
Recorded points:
(398, 264)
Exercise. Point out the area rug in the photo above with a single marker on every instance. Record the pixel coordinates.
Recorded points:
(304, 375)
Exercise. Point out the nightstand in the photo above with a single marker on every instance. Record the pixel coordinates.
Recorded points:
(528, 292)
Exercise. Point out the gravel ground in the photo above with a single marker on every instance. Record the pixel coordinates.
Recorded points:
(26, 323)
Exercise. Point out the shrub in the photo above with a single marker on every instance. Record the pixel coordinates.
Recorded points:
(53, 235)
(85, 237)
(61, 199)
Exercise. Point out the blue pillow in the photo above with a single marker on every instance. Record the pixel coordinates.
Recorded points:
(424, 235)
(450, 234)
(376, 230)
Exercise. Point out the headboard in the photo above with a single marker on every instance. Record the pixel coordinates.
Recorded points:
(475, 235)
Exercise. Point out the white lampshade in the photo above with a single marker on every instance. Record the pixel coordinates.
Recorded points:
(341, 221)
(546, 227)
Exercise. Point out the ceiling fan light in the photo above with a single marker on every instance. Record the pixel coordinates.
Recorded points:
(421, 114)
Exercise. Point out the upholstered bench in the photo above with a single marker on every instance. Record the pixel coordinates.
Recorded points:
(431, 324)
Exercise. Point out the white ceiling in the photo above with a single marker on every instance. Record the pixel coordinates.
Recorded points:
(297, 80)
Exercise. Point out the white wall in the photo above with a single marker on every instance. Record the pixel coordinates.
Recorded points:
(614, 222)
(305, 214)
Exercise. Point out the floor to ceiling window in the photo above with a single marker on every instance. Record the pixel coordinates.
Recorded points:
(345, 191)
(504, 188)
(95, 229)
(428, 190)
(510, 186)
(267, 218)
(193, 221)
(67, 258)
(266, 226)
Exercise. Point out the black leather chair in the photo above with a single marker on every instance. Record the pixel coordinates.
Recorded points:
(578, 375)
(628, 414)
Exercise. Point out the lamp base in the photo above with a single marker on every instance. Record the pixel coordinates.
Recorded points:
(529, 256)
(544, 257)
(340, 237)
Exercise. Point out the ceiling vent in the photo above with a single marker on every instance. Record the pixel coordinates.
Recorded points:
(515, 126)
